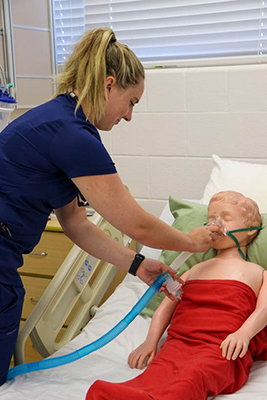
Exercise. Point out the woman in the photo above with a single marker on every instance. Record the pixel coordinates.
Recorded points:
(52, 157)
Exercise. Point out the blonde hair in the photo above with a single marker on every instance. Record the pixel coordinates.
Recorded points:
(248, 207)
(96, 56)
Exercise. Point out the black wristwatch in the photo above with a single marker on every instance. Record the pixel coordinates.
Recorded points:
(135, 264)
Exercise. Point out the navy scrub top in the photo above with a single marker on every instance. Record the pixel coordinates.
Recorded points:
(39, 154)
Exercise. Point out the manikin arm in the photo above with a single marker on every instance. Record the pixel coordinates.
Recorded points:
(237, 343)
(147, 350)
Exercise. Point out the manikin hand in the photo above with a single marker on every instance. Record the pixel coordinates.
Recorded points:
(204, 237)
(150, 269)
(142, 355)
(235, 345)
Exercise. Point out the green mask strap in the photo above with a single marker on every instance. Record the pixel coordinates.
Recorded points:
(230, 233)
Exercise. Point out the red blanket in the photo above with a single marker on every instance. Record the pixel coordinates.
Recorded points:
(190, 365)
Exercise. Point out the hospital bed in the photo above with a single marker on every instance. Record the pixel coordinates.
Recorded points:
(109, 363)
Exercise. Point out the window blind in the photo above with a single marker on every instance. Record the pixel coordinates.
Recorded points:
(69, 25)
(167, 30)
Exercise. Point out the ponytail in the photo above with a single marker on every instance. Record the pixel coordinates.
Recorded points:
(97, 55)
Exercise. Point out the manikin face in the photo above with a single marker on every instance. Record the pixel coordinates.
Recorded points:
(232, 219)
(119, 103)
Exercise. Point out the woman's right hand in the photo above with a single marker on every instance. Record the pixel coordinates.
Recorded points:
(142, 355)
(204, 237)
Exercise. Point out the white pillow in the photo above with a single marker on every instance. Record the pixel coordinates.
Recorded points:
(246, 178)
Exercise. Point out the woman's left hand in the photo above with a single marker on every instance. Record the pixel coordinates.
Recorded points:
(235, 345)
(150, 269)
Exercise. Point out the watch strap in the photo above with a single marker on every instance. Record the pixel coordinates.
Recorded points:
(136, 263)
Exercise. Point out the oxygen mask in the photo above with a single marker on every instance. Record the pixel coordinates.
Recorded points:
(219, 223)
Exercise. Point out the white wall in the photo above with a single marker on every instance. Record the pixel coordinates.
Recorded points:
(184, 117)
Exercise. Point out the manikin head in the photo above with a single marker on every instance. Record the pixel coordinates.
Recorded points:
(236, 212)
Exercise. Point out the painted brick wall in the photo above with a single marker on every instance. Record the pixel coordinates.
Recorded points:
(184, 117)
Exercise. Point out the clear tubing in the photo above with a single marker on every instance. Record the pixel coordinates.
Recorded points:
(173, 286)
(97, 344)
(180, 260)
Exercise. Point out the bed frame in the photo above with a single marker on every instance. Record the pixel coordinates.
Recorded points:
(78, 287)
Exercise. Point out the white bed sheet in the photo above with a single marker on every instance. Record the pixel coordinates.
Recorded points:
(110, 363)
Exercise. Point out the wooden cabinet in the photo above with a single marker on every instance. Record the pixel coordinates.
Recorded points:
(41, 265)
(48, 255)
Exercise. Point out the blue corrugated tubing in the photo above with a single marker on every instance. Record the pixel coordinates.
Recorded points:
(97, 344)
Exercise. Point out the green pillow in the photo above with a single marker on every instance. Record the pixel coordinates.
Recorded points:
(189, 215)
(257, 249)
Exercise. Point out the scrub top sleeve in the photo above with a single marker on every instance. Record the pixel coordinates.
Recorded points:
(78, 152)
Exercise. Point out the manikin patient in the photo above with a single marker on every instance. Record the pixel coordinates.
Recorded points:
(216, 330)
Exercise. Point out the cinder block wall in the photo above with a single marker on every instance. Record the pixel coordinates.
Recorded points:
(184, 117)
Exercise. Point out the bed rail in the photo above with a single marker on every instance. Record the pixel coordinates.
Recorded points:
(78, 287)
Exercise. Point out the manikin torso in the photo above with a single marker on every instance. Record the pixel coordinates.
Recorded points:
(228, 264)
